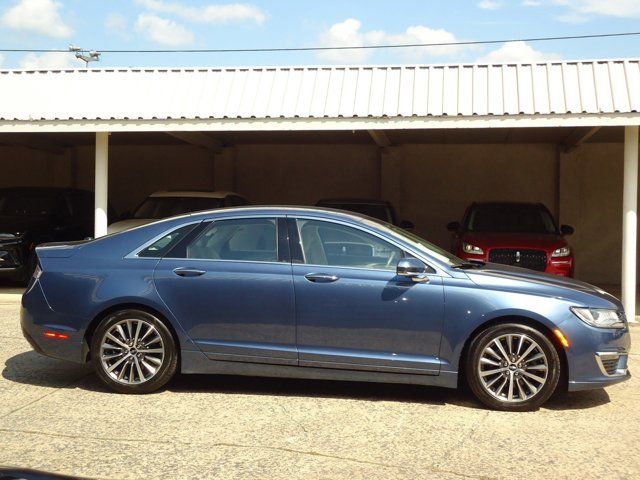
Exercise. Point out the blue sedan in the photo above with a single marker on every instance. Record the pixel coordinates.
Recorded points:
(317, 293)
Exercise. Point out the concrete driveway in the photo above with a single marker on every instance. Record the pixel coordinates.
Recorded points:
(55, 416)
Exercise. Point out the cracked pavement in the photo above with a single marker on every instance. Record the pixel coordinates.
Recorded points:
(56, 416)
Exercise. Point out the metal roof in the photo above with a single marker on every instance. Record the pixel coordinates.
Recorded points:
(423, 91)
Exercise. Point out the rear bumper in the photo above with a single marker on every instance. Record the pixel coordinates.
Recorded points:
(37, 317)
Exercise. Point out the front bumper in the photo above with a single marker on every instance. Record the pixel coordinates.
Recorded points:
(596, 357)
(11, 260)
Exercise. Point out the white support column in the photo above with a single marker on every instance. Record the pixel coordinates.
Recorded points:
(101, 184)
(629, 220)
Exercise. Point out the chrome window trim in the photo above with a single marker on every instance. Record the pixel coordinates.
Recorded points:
(135, 253)
(429, 262)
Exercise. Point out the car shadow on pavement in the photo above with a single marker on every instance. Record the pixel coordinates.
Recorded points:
(32, 368)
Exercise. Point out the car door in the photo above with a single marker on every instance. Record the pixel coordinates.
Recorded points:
(230, 287)
(352, 310)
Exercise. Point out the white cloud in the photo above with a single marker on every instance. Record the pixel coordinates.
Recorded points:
(489, 5)
(614, 8)
(519, 52)
(36, 16)
(531, 3)
(213, 13)
(163, 31)
(118, 24)
(49, 60)
(348, 33)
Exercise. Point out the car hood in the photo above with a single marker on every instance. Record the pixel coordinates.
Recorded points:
(504, 277)
(21, 224)
(127, 224)
(547, 241)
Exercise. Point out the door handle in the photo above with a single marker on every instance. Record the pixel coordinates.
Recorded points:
(188, 272)
(321, 277)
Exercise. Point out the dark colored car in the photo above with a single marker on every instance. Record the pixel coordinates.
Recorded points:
(519, 234)
(380, 209)
(317, 293)
(32, 215)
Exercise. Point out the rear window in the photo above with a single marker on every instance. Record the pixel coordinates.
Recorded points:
(163, 207)
(30, 204)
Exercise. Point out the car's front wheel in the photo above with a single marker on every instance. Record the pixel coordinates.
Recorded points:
(133, 352)
(512, 367)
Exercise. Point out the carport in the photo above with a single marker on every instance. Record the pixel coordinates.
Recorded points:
(427, 138)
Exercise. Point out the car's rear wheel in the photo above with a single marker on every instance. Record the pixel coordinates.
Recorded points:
(512, 367)
(133, 352)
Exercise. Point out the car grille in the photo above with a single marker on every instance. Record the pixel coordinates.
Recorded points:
(610, 365)
(533, 259)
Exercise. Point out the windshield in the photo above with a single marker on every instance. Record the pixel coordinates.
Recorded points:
(381, 212)
(421, 244)
(510, 218)
(27, 204)
(162, 207)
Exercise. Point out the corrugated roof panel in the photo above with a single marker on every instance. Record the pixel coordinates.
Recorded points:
(406, 90)
(465, 91)
(632, 74)
(587, 88)
(391, 93)
(603, 87)
(420, 92)
(292, 93)
(619, 86)
(347, 98)
(510, 90)
(363, 92)
(435, 97)
(305, 96)
(287, 92)
(540, 90)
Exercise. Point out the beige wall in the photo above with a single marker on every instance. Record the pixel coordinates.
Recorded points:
(591, 201)
(429, 184)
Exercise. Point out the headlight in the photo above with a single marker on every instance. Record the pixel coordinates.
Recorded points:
(468, 248)
(599, 317)
(561, 252)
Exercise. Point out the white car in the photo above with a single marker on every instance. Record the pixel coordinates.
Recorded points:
(168, 204)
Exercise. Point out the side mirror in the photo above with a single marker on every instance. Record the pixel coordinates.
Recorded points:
(407, 225)
(412, 268)
(566, 229)
(453, 226)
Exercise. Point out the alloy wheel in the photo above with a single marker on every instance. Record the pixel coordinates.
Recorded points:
(513, 368)
(132, 351)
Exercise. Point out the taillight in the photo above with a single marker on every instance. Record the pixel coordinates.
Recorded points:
(57, 335)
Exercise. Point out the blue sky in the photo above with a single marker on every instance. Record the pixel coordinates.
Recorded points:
(166, 24)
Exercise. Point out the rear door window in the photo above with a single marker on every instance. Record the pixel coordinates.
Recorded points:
(247, 239)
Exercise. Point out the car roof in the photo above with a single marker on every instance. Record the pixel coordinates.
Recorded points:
(54, 190)
(354, 201)
(280, 210)
(514, 204)
(194, 193)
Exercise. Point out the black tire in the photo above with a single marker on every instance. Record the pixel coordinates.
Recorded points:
(167, 362)
(517, 370)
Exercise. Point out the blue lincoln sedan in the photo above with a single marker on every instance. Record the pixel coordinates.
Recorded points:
(317, 293)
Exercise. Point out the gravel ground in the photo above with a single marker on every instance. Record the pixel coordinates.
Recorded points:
(56, 416)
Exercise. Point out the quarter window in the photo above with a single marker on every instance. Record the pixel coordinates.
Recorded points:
(249, 239)
(161, 247)
(326, 243)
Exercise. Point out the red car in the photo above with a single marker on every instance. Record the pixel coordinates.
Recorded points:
(519, 234)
